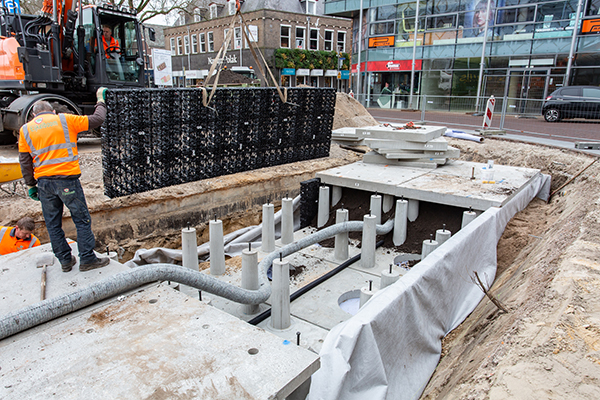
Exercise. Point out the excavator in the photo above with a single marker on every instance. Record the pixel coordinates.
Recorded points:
(60, 56)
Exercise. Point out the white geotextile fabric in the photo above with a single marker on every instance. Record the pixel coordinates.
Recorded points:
(391, 347)
(234, 242)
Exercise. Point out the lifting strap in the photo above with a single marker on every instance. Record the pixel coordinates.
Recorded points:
(206, 98)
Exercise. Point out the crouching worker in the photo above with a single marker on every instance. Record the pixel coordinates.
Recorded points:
(50, 166)
(20, 237)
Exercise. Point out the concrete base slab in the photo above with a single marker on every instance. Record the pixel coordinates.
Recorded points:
(449, 184)
(311, 335)
(20, 280)
(321, 306)
(153, 343)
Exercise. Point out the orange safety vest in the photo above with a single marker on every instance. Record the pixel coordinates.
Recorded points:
(113, 42)
(52, 142)
(10, 243)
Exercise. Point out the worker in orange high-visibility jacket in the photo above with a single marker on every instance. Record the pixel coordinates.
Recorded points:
(50, 166)
(111, 45)
(20, 237)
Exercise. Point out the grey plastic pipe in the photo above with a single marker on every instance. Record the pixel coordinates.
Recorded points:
(49, 309)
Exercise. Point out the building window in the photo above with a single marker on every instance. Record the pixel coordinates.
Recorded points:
(213, 11)
(237, 38)
(186, 45)
(197, 16)
(179, 46)
(328, 41)
(300, 37)
(231, 4)
(311, 7)
(211, 42)
(341, 42)
(173, 51)
(202, 43)
(194, 44)
(314, 39)
(225, 32)
(285, 36)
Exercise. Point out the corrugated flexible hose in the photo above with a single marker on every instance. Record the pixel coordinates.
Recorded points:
(49, 309)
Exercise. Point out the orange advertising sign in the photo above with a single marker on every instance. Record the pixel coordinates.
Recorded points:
(381, 41)
(591, 26)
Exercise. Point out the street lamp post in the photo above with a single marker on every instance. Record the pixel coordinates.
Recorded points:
(360, 23)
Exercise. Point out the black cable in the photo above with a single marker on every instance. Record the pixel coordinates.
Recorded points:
(266, 314)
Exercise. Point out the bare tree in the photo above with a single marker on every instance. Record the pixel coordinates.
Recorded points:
(146, 9)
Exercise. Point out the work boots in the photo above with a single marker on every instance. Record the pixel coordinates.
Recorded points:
(99, 263)
(69, 266)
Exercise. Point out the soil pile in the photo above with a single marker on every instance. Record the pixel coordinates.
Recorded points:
(227, 77)
(350, 113)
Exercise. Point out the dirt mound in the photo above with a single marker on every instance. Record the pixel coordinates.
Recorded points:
(350, 113)
(229, 77)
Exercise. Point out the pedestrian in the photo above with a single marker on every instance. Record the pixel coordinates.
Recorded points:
(20, 237)
(386, 89)
(50, 166)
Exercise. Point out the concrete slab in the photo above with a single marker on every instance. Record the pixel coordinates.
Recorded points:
(437, 144)
(20, 280)
(153, 343)
(449, 184)
(321, 306)
(393, 132)
(370, 177)
(451, 152)
(376, 158)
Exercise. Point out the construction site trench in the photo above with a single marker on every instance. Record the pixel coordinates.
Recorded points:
(546, 346)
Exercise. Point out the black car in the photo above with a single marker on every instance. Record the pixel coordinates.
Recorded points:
(572, 102)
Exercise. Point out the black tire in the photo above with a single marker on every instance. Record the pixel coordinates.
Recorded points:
(552, 115)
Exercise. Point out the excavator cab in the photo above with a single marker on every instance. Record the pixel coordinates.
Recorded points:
(63, 57)
(113, 55)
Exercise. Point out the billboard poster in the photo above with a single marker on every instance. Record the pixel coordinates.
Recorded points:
(476, 17)
(163, 70)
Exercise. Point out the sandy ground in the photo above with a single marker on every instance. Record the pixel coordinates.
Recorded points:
(547, 346)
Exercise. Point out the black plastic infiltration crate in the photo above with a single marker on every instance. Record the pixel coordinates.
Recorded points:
(153, 138)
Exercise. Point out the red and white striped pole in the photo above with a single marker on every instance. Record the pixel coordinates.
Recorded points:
(487, 118)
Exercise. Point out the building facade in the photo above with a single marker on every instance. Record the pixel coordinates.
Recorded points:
(272, 25)
(528, 47)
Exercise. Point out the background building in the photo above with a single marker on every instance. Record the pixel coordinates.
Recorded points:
(274, 24)
(531, 47)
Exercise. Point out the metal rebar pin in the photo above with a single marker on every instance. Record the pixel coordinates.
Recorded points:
(298, 338)
(370, 285)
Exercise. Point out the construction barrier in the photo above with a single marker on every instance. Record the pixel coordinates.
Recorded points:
(153, 138)
(489, 112)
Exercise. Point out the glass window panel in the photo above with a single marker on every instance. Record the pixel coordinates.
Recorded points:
(328, 41)
(593, 7)
(285, 36)
(591, 92)
(381, 28)
(441, 21)
(515, 15)
(385, 13)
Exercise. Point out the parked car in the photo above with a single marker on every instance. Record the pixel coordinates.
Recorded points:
(572, 102)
